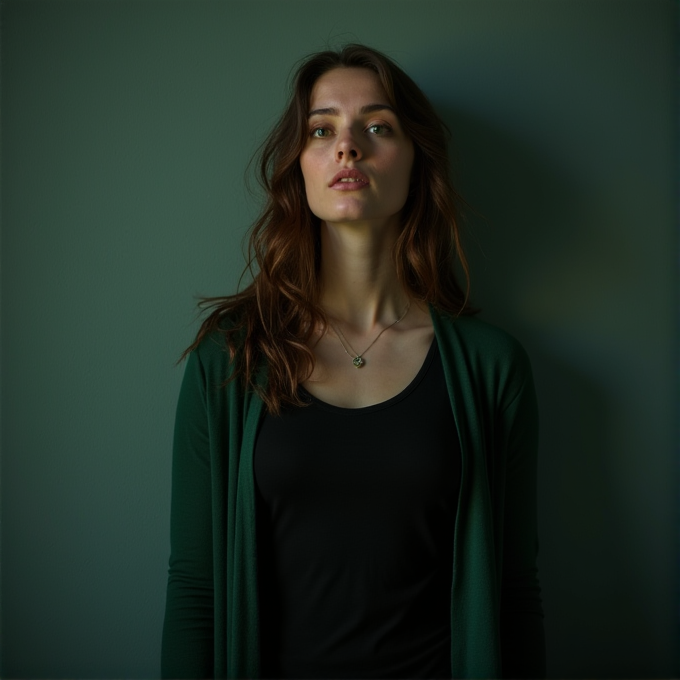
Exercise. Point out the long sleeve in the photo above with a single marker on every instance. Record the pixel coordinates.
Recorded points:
(522, 636)
(188, 631)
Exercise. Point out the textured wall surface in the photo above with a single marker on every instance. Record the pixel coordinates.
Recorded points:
(126, 130)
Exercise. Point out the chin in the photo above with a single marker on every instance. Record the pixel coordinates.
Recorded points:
(346, 219)
(341, 215)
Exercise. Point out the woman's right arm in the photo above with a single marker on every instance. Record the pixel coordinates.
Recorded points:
(187, 647)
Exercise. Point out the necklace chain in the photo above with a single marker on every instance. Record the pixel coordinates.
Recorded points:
(358, 358)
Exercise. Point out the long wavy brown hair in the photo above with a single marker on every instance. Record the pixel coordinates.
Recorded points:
(273, 320)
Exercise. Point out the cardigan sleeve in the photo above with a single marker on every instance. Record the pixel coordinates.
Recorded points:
(188, 637)
(522, 635)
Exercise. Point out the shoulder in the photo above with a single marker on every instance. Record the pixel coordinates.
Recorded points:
(478, 338)
(482, 359)
(211, 349)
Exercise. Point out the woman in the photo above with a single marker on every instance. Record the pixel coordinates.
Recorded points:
(354, 459)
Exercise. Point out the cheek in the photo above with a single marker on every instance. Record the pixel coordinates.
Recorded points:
(311, 177)
(310, 172)
(401, 172)
(400, 163)
(304, 167)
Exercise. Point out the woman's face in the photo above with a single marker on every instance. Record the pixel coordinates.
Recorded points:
(357, 160)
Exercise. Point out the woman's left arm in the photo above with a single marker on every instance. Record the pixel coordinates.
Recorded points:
(522, 635)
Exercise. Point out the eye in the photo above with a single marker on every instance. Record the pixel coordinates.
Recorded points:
(320, 132)
(379, 129)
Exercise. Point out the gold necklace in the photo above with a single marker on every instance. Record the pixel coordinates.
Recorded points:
(358, 358)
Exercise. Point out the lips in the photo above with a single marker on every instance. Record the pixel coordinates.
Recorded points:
(349, 179)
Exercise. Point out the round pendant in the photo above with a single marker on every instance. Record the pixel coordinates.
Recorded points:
(358, 362)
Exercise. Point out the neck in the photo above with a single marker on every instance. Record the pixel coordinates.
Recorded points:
(359, 284)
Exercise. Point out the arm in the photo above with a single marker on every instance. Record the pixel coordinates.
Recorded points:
(187, 647)
(522, 636)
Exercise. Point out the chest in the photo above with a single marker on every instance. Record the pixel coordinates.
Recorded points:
(388, 366)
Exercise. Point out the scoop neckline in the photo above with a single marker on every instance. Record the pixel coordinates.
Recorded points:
(429, 358)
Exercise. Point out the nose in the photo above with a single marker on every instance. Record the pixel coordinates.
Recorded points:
(347, 148)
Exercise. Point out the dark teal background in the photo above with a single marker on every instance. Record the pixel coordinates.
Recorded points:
(126, 130)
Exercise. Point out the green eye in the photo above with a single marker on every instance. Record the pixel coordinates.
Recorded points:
(378, 129)
(319, 132)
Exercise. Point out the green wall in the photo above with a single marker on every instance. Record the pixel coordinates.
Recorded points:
(126, 129)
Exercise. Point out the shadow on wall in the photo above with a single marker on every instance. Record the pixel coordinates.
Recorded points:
(542, 268)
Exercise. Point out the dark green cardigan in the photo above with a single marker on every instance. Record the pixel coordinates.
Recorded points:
(211, 618)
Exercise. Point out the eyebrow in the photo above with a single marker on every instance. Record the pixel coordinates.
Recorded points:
(369, 108)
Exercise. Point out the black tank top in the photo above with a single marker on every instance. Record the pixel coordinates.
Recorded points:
(355, 521)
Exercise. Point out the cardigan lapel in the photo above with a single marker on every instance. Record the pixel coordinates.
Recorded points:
(475, 640)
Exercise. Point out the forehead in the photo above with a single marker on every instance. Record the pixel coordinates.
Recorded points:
(348, 88)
